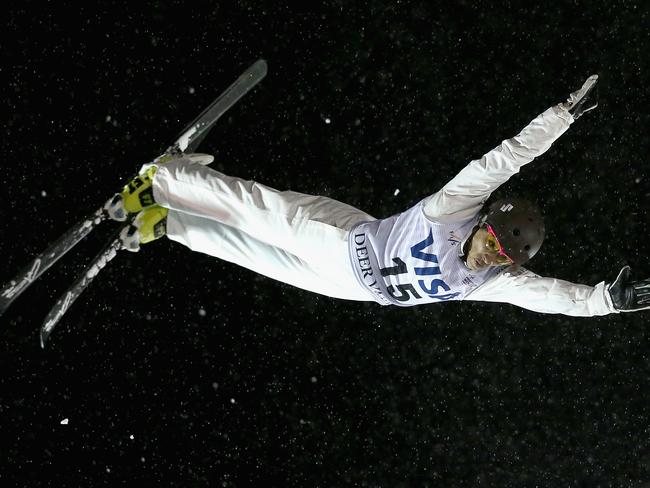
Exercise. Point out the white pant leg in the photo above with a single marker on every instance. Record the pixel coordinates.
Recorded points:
(312, 228)
(233, 245)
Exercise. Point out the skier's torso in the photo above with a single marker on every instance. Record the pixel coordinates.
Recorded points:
(408, 259)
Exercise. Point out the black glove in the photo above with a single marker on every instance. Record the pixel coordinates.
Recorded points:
(629, 296)
(584, 99)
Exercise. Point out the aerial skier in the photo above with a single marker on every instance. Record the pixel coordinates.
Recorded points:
(451, 245)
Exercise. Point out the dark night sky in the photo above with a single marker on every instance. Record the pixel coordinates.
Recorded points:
(175, 369)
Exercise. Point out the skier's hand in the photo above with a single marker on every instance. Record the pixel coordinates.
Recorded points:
(584, 99)
(629, 296)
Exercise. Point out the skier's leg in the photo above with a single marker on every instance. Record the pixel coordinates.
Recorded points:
(233, 245)
(313, 228)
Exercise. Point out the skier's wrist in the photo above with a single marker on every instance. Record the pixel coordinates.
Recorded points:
(562, 111)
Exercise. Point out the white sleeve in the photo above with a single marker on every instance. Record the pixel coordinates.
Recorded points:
(525, 289)
(466, 193)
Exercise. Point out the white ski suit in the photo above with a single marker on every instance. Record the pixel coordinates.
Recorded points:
(309, 241)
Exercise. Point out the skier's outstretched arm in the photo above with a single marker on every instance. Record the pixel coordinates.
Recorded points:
(525, 289)
(528, 290)
(466, 193)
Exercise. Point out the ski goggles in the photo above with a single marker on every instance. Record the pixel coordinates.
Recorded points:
(494, 245)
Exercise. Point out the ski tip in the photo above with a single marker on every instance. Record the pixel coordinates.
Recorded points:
(261, 67)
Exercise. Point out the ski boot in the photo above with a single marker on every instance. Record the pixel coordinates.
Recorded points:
(138, 193)
(584, 99)
(150, 224)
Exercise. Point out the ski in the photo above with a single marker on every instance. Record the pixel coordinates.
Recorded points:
(80, 284)
(188, 141)
(184, 145)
